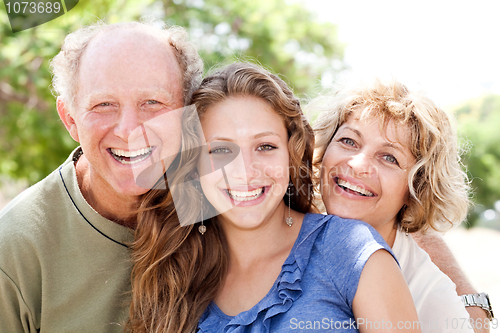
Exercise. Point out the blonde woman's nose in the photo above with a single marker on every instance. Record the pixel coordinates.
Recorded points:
(362, 164)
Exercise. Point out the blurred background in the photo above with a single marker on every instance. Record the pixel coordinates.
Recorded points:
(449, 49)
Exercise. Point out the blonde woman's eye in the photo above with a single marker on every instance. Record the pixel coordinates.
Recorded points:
(266, 147)
(391, 159)
(152, 102)
(348, 141)
(220, 150)
(104, 104)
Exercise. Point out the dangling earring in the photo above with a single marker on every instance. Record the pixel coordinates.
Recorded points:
(202, 228)
(289, 219)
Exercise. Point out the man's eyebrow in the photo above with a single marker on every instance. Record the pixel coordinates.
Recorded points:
(156, 91)
(97, 95)
(90, 98)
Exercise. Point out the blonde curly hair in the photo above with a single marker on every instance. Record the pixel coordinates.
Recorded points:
(438, 185)
(65, 65)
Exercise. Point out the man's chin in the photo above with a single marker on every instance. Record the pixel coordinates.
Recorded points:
(128, 188)
(151, 177)
(132, 191)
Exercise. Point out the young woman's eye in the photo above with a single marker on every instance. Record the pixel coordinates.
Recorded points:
(266, 147)
(348, 141)
(220, 150)
(391, 159)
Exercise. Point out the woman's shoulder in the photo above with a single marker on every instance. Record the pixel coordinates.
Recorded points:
(348, 241)
(333, 229)
(341, 249)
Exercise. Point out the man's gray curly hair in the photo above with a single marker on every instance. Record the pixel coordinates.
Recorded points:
(66, 63)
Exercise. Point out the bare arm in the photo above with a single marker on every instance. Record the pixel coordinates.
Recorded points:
(383, 298)
(441, 256)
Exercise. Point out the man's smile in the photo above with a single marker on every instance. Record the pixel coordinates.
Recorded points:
(130, 157)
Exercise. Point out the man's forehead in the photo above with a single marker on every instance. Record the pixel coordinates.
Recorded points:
(133, 57)
(118, 40)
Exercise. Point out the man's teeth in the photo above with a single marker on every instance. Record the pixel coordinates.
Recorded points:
(133, 153)
(354, 188)
(131, 157)
(245, 195)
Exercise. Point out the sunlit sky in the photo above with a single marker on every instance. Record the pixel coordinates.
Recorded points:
(450, 49)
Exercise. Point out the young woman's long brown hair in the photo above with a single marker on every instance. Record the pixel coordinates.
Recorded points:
(177, 271)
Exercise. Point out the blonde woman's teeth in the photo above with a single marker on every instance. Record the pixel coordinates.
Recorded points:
(352, 187)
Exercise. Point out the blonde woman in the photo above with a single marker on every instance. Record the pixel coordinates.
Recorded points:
(389, 157)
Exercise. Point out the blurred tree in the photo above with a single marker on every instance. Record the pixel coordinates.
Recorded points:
(479, 122)
(280, 34)
(33, 141)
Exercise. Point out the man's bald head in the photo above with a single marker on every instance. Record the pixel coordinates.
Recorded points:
(66, 65)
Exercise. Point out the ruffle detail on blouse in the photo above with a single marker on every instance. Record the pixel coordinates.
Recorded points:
(286, 290)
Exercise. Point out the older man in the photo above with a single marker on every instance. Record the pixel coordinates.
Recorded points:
(64, 256)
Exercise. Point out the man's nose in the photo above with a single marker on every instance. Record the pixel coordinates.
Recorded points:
(128, 123)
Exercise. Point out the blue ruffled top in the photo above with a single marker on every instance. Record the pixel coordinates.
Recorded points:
(317, 283)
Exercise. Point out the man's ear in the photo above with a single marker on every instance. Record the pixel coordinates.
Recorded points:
(67, 118)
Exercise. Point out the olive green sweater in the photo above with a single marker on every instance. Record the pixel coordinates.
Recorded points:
(63, 267)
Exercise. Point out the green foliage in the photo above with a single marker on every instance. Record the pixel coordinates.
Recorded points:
(479, 122)
(281, 35)
(33, 141)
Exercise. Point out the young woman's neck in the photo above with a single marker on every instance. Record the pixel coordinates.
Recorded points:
(272, 238)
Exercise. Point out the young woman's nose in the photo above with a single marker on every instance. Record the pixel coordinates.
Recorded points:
(244, 168)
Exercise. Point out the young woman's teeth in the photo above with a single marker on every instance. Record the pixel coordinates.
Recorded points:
(131, 157)
(346, 185)
(245, 195)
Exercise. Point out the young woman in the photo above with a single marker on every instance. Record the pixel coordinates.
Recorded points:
(265, 264)
(389, 157)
